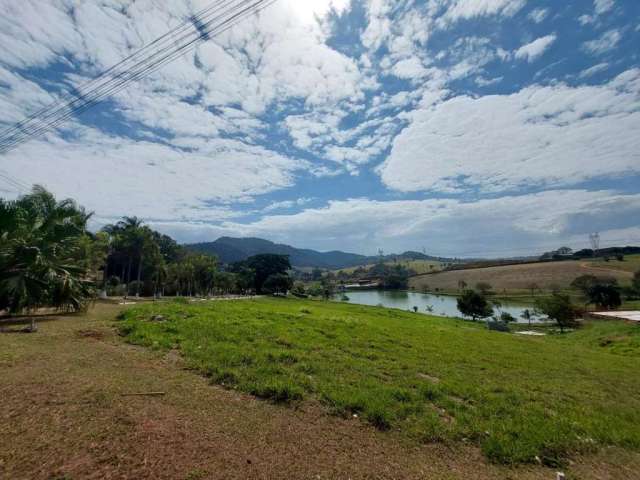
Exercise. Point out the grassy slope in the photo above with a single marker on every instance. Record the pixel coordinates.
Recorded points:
(429, 378)
(64, 416)
(418, 266)
(631, 263)
(515, 279)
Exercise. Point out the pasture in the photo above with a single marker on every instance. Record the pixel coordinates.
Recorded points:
(418, 266)
(522, 278)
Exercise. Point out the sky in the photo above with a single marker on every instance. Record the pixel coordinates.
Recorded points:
(458, 127)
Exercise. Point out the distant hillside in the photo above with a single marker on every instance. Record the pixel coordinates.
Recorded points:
(230, 250)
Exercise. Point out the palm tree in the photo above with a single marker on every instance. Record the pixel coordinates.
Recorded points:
(39, 261)
(131, 241)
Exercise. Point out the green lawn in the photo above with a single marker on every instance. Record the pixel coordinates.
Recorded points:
(432, 379)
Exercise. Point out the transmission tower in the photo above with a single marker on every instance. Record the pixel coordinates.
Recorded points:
(594, 239)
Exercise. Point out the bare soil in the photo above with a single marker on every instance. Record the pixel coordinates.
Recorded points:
(65, 413)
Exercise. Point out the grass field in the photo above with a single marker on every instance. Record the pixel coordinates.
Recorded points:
(418, 266)
(428, 378)
(516, 279)
(631, 263)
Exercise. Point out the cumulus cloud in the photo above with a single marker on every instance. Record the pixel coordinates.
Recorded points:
(542, 135)
(534, 50)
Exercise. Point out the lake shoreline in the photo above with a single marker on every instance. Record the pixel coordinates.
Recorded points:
(440, 304)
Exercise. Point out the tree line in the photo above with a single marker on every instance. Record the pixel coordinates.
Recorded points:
(49, 258)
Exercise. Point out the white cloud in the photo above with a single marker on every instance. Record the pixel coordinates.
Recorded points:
(607, 41)
(184, 174)
(600, 7)
(539, 14)
(484, 82)
(287, 204)
(534, 50)
(19, 97)
(603, 6)
(448, 227)
(466, 9)
(545, 136)
(410, 68)
(115, 175)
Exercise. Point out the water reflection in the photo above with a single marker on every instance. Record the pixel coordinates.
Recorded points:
(441, 305)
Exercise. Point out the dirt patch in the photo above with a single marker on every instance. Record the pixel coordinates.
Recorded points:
(429, 378)
(90, 334)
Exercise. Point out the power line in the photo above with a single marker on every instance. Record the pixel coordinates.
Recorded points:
(157, 41)
(214, 20)
(19, 186)
(144, 67)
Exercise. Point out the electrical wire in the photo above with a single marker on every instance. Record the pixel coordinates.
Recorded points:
(218, 18)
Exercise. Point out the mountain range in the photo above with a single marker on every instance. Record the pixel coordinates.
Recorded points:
(230, 250)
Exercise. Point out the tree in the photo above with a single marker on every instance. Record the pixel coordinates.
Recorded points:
(474, 304)
(328, 288)
(40, 241)
(316, 274)
(225, 282)
(635, 283)
(462, 285)
(395, 277)
(533, 286)
(316, 290)
(526, 315)
(484, 288)
(584, 283)
(558, 307)
(506, 317)
(277, 283)
(605, 296)
(266, 265)
(298, 289)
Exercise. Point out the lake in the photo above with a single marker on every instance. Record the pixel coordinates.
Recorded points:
(443, 305)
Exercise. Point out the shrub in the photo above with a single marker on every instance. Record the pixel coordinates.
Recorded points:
(506, 317)
(559, 308)
(605, 296)
(484, 288)
(474, 304)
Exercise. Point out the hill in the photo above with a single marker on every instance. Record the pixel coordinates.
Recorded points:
(230, 250)
(521, 277)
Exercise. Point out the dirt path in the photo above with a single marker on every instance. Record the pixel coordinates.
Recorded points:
(63, 416)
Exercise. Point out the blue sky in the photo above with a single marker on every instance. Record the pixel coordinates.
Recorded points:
(464, 127)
